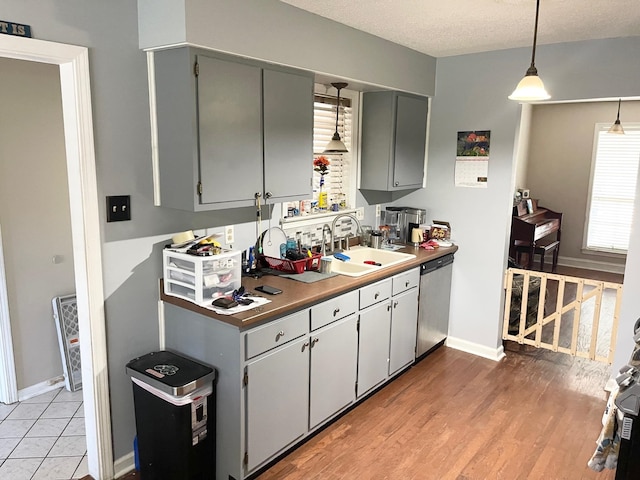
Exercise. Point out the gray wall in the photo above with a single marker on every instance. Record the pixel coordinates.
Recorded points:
(480, 218)
(279, 33)
(34, 214)
(559, 165)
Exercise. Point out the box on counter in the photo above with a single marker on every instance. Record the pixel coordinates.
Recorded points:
(440, 230)
(201, 279)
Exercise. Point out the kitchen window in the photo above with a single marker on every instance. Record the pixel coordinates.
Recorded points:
(340, 181)
(612, 191)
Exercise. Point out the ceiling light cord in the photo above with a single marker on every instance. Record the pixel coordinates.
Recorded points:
(532, 69)
(616, 128)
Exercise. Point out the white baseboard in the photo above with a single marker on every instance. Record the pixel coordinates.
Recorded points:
(124, 465)
(495, 354)
(40, 388)
(589, 264)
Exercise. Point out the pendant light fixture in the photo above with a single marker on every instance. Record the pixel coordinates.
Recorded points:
(336, 145)
(616, 127)
(531, 88)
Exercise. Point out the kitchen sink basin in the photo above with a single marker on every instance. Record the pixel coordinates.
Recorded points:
(356, 266)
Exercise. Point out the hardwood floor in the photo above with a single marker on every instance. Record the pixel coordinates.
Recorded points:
(457, 416)
(534, 415)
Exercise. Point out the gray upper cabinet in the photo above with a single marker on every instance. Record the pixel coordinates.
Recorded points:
(229, 129)
(394, 132)
(288, 136)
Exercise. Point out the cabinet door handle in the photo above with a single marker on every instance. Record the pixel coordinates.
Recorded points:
(375, 297)
(268, 195)
(395, 184)
(406, 284)
(336, 311)
(304, 345)
(279, 335)
(388, 307)
(314, 341)
(395, 304)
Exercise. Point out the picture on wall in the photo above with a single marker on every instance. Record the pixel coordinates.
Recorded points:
(472, 158)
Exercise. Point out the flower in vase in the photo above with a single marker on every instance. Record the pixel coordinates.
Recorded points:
(321, 165)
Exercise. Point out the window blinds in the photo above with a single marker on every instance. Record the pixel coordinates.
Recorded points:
(337, 181)
(613, 189)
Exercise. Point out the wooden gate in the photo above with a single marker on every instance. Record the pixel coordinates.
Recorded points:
(571, 315)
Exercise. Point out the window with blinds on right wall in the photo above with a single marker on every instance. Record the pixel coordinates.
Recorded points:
(612, 192)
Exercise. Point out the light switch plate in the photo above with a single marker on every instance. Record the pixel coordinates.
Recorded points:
(118, 208)
(360, 213)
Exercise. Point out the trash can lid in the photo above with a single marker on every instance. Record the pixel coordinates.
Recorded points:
(170, 373)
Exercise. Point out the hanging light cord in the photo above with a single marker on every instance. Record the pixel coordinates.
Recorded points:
(618, 117)
(532, 69)
(336, 136)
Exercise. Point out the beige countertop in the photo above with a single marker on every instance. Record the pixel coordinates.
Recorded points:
(297, 295)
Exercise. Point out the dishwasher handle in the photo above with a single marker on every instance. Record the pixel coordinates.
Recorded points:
(433, 265)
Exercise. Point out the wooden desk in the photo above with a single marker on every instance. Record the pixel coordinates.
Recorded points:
(533, 229)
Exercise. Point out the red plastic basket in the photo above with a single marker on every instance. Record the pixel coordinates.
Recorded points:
(293, 266)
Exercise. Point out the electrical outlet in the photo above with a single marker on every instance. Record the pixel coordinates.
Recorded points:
(377, 210)
(118, 208)
(228, 234)
(360, 213)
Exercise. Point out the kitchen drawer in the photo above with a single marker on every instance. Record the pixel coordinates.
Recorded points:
(406, 280)
(375, 293)
(260, 339)
(334, 309)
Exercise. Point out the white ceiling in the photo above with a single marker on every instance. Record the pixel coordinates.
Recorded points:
(442, 28)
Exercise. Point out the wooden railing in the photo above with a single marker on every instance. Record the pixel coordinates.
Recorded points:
(590, 326)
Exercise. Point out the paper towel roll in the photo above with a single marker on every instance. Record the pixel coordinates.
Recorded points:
(183, 237)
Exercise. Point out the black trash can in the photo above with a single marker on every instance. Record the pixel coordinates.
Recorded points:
(175, 409)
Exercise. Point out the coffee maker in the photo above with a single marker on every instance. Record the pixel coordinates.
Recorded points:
(403, 220)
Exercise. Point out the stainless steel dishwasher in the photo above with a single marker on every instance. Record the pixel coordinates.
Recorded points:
(433, 309)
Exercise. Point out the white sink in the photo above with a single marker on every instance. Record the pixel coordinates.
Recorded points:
(356, 266)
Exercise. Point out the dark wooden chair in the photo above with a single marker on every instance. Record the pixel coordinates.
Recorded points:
(522, 247)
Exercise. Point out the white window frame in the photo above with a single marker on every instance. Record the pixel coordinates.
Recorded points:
(602, 128)
(354, 97)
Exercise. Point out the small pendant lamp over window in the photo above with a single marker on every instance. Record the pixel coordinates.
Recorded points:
(336, 145)
(617, 127)
(531, 88)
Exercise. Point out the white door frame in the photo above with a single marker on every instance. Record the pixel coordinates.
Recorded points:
(85, 229)
(8, 381)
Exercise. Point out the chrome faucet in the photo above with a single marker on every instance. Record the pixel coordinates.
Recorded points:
(333, 228)
(323, 248)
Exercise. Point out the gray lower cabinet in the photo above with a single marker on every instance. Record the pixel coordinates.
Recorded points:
(279, 382)
(404, 319)
(277, 396)
(229, 129)
(334, 351)
(394, 133)
(373, 351)
(404, 314)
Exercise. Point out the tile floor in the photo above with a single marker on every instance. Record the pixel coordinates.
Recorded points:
(43, 438)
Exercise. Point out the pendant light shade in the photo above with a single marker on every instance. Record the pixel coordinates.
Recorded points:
(617, 127)
(531, 88)
(336, 145)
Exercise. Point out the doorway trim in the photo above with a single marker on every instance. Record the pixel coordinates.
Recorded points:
(85, 228)
(8, 381)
